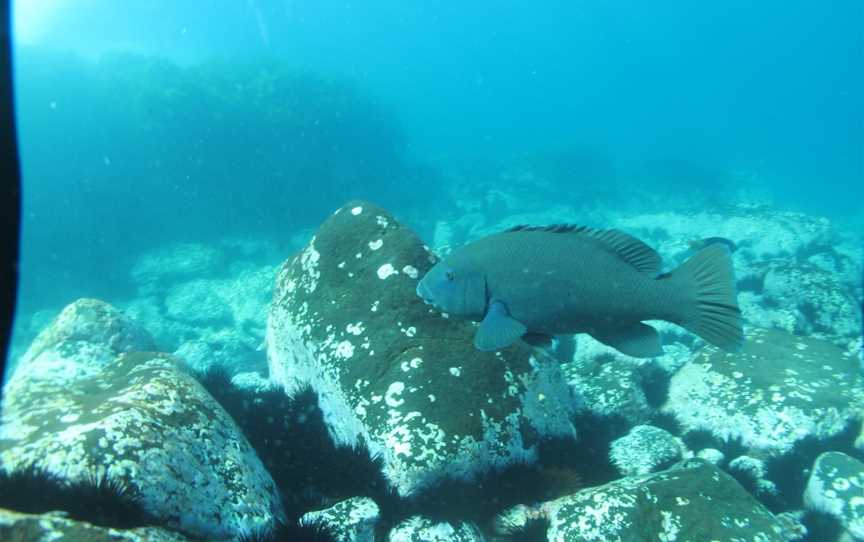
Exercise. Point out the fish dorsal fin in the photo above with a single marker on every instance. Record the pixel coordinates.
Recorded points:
(627, 247)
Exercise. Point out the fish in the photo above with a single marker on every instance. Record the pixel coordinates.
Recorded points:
(567, 279)
(697, 244)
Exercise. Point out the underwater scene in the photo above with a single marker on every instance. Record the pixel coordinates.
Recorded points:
(437, 271)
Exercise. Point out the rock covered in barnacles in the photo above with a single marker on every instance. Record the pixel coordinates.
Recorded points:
(393, 372)
(56, 526)
(351, 520)
(421, 529)
(693, 500)
(86, 335)
(645, 449)
(778, 390)
(754, 472)
(139, 420)
(836, 488)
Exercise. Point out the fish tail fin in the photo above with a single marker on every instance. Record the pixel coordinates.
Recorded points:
(711, 310)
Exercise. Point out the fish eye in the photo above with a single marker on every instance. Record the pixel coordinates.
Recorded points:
(450, 274)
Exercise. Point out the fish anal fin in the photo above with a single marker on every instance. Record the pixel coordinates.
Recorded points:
(498, 329)
(633, 251)
(637, 339)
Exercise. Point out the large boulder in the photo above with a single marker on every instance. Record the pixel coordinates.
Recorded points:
(157, 269)
(56, 526)
(396, 374)
(86, 335)
(693, 500)
(778, 390)
(795, 272)
(136, 418)
(351, 520)
(421, 529)
(836, 488)
(804, 299)
(645, 449)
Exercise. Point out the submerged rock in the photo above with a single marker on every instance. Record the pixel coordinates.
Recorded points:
(777, 391)
(836, 488)
(795, 272)
(87, 335)
(394, 373)
(212, 322)
(694, 500)
(420, 529)
(197, 303)
(804, 299)
(226, 350)
(139, 420)
(352, 520)
(55, 526)
(156, 269)
(645, 449)
(754, 473)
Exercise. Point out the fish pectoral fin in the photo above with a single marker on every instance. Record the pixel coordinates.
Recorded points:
(498, 329)
(638, 340)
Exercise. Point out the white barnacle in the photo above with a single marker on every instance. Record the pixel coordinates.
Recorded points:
(382, 221)
(455, 371)
(355, 329)
(356, 210)
(415, 362)
(375, 306)
(841, 484)
(386, 270)
(410, 331)
(411, 271)
(391, 396)
(375, 245)
(344, 350)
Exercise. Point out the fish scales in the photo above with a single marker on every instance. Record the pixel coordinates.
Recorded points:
(560, 283)
(567, 279)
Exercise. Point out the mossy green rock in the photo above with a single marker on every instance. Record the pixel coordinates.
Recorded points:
(779, 389)
(693, 501)
(15, 527)
(142, 421)
(395, 373)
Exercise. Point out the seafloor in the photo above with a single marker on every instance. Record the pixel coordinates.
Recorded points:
(243, 388)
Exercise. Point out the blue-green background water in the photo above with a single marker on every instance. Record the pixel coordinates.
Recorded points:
(176, 153)
(155, 121)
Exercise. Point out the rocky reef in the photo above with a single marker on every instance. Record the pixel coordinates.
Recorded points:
(238, 399)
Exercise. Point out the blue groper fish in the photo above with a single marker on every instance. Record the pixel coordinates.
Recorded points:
(567, 279)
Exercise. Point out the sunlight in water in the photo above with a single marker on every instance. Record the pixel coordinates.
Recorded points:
(33, 19)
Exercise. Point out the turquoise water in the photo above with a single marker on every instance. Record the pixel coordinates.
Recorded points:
(174, 155)
(669, 98)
